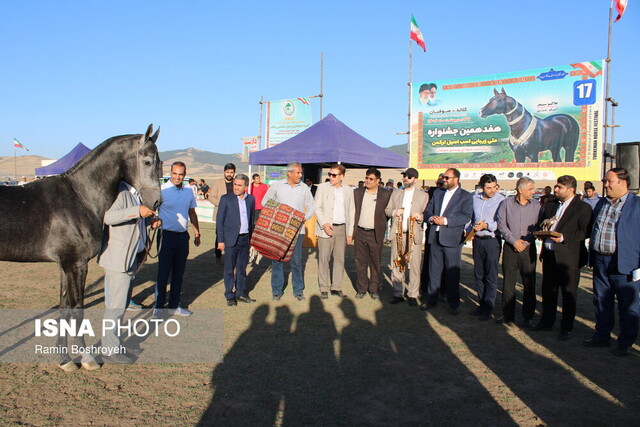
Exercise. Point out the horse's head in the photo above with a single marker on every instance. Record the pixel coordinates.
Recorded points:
(146, 174)
(499, 104)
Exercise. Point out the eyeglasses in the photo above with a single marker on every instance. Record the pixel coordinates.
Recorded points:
(333, 175)
(370, 179)
(446, 178)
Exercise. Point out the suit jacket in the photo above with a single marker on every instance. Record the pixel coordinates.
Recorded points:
(627, 233)
(324, 208)
(121, 233)
(380, 217)
(228, 218)
(418, 205)
(458, 213)
(218, 189)
(574, 226)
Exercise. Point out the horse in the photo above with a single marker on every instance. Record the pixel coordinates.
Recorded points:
(529, 135)
(60, 218)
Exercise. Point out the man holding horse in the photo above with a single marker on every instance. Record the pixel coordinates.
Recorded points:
(124, 223)
(178, 205)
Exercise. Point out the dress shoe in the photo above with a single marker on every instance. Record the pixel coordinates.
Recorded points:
(300, 297)
(413, 302)
(564, 335)
(324, 295)
(527, 324)
(231, 302)
(337, 294)
(276, 297)
(427, 306)
(246, 300)
(595, 342)
(454, 311)
(396, 300)
(360, 295)
(374, 295)
(476, 312)
(486, 315)
(541, 327)
(505, 320)
(622, 351)
(117, 359)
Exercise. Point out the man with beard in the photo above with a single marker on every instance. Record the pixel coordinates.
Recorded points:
(406, 204)
(221, 187)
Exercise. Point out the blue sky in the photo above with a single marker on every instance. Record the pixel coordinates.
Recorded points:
(83, 71)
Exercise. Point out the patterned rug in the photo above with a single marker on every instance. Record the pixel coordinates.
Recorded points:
(277, 230)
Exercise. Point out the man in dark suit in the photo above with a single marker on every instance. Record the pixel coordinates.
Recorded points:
(371, 221)
(614, 250)
(563, 256)
(234, 225)
(448, 212)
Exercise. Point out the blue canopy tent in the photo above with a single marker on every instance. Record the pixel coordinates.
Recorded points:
(326, 142)
(66, 162)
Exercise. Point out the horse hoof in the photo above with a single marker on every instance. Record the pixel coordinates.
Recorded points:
(70, 366)
(91, 365)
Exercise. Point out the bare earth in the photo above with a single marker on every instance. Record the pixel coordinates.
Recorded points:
(332, 362)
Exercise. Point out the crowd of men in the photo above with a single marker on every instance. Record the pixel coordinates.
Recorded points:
(440, 221)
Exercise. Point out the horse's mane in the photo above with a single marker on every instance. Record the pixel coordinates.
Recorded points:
(98, 152)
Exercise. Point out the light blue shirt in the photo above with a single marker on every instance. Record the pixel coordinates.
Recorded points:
(486, 210)
(174, 210)
(244, 218)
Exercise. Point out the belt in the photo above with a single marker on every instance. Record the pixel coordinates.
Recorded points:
(366, 229)
(336, 225)
(174, 232)
(602, 253)
(484, 237)
(243, 234)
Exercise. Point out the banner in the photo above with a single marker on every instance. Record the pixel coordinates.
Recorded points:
(249, 145)
(286, 119)
(540, 123)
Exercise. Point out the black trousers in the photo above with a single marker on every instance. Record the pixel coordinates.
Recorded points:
(524, 263)
(368, 255)
(560, 276)
(486, 258)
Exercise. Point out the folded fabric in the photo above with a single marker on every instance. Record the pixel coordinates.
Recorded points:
(277, 230)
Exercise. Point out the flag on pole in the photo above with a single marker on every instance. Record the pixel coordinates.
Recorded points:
(416, 34)
(17, 144)
(591, 69)
(621, 5)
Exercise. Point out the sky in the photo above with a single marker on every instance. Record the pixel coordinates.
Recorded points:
(84, 71)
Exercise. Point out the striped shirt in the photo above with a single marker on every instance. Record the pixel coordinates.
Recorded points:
(604, 227)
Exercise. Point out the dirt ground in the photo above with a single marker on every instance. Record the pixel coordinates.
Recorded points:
(327, 362)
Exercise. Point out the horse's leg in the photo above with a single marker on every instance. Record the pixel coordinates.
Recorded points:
(555, 154)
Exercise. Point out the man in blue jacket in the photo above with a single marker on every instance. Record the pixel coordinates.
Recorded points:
(614, 250)
(234, 226)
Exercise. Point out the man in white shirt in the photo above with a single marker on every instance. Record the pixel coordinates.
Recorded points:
(335, 213)
(407, 204)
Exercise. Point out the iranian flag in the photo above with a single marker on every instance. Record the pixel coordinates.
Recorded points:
(621, 5)
(591, 69)
(416, 34)
(17, 144)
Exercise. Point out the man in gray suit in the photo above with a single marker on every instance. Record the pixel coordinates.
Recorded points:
(335, 212)
(123, 244)
(407, 203)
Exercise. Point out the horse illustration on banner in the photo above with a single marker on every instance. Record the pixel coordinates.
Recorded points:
(530, 135)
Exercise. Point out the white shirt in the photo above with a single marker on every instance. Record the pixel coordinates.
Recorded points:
(406, 205)
(174, 210)
(339, 216)
(445, 202)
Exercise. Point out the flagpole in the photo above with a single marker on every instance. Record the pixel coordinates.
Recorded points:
(606, 153)
(409, 101)
(15, 164)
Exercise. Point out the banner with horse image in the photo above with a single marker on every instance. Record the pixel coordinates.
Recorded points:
(540, 123)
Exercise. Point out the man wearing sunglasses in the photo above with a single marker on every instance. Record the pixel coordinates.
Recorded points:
(334, 227)
(448, 212)
(370, 220)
